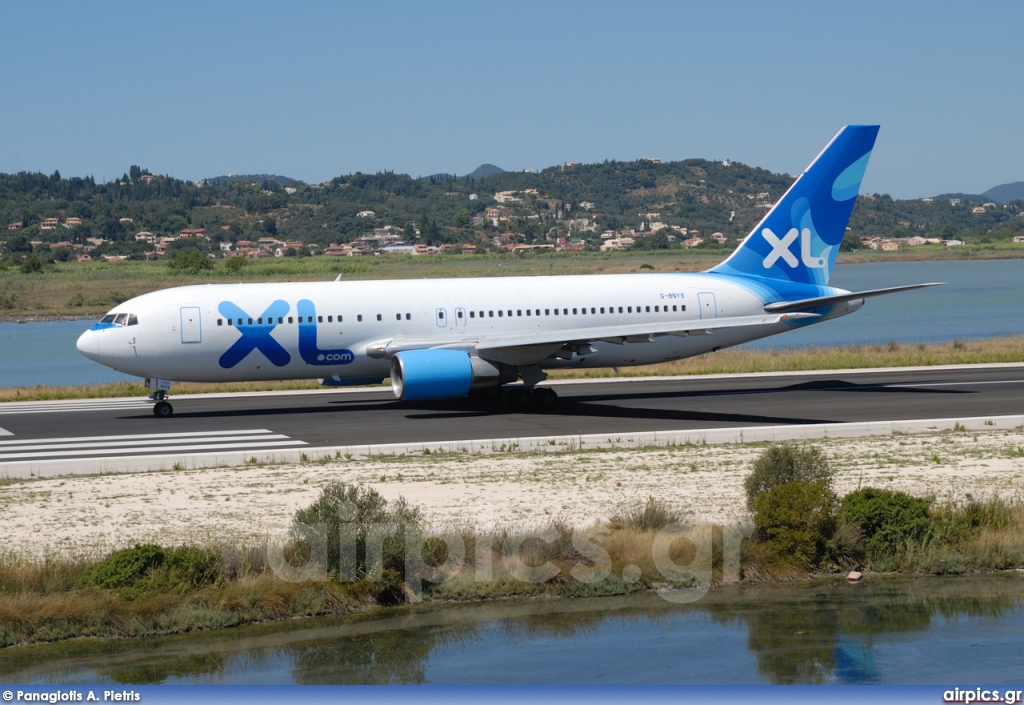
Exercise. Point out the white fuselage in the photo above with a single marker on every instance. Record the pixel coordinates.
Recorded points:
(322, 329)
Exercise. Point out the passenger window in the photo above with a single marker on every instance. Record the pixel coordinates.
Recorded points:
(556, 311)
(408, 317)
(319, 319)
(379, 318)
(259, 321)
(330, 319)
(528, 312)
(472, 314)
(629, 309)
(648, 310)
(538, 311)
(250, 321)
(490, 314)
(359, 317)
(574, 312)
(398, 316)
(602, 309)
(565, 311)
(290, 319)
(519, 313)
(220, 322)
(458, 314)
(230, 321)
(510, 313)
(547, 312)
(500, 314)
(683, 307)
(280, 319)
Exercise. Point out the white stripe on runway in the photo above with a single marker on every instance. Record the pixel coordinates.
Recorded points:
(27, 445)
(149, 443)
(140, 436)
(51, 407)
(5, 432)
(149, 450)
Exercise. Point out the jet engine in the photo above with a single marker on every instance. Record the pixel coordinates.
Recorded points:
(444, 374)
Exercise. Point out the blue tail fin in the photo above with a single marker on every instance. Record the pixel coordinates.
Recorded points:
(799, 238)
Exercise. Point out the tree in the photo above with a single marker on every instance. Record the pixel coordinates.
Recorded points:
(850, 243)
(786, 462)
(190, 262)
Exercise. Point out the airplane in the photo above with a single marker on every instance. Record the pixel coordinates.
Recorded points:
(454, 338)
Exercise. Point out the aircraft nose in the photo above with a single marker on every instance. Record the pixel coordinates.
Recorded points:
(89, 345)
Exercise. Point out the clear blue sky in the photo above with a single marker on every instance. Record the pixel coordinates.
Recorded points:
(312, 90)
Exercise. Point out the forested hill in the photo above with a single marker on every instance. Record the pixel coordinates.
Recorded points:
(570, 202)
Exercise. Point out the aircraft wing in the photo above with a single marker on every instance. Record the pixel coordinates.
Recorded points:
(543, 343)
(817, 302)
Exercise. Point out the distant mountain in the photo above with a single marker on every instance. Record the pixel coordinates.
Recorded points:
(965, 197)
(1005, 192)
(485, 170)
(257, 178)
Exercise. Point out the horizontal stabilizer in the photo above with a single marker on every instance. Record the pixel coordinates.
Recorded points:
(819, 301)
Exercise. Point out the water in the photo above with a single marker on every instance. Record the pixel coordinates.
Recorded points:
(982, 299)
(888, 631)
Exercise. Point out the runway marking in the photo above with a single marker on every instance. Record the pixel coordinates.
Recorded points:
(53, 407)
(148, 443)
(140, 436)
(959, 384)
(5, 432)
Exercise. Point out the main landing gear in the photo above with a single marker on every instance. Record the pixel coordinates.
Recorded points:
(540, 398)
(162, 408)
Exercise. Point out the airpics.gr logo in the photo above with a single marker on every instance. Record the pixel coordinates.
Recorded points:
(256, 335)
(780, 249)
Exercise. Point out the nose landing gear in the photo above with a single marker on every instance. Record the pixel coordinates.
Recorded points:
(162, 408)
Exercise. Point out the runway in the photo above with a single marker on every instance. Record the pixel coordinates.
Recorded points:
(122, 434)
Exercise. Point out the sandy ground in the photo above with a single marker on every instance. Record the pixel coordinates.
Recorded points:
(87, 514)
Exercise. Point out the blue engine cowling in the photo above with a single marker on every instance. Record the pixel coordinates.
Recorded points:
(444, 374)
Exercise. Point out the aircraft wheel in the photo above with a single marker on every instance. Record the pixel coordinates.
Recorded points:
(162, 409)
(518, 398)
(545, 398)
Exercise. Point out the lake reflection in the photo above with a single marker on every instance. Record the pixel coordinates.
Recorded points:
(901, 630)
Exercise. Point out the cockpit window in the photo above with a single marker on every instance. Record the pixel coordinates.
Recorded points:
(120, 319)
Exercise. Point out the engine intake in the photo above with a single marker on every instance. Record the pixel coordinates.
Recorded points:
(444, 374)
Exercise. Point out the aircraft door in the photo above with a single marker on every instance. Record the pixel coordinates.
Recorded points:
(441, 316)
(191, 325)
(708, 309)
(460, 319)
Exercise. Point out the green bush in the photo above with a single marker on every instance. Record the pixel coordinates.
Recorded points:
(886, 518)
(346, 513)
(786, 462)
(795, 520)
(148, 566)
(125, 568)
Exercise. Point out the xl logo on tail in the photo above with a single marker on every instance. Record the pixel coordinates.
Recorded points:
(780, 249)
